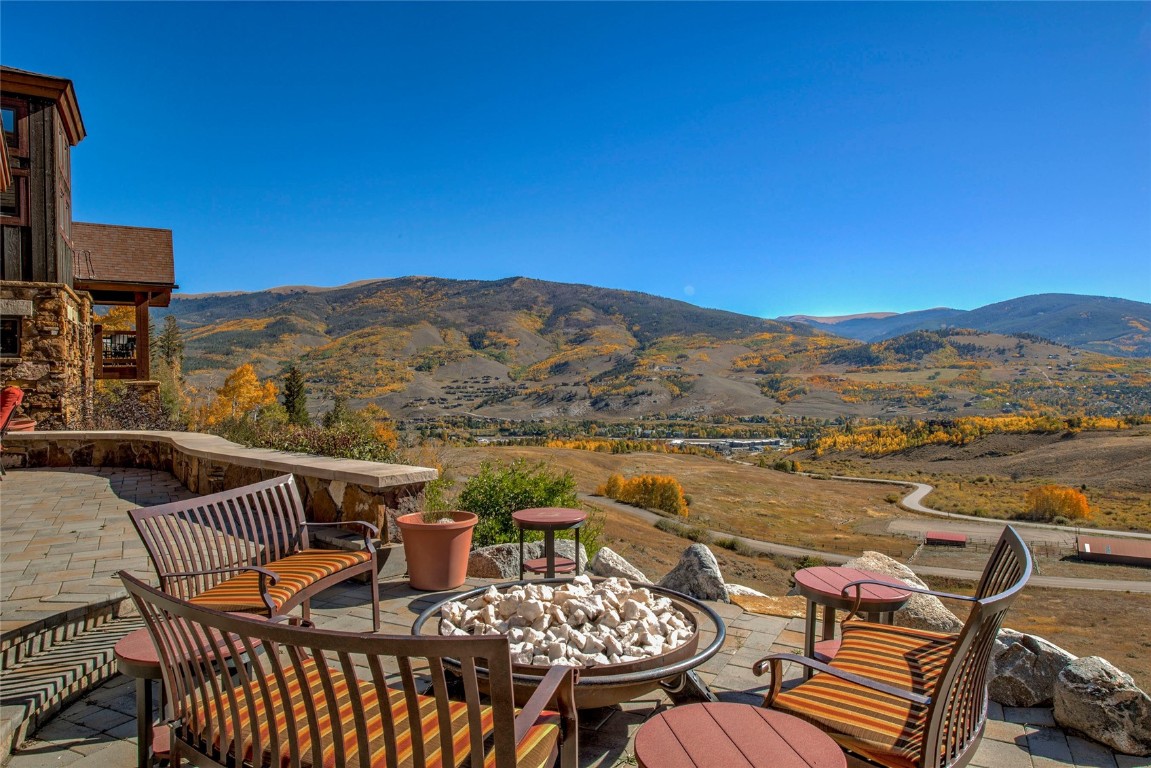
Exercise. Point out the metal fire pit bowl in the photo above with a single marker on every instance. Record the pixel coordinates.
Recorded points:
(607, 684)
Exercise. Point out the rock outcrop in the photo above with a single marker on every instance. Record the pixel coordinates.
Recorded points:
(1024, 669)
(697, 574)
(920, 611)
(1095, 698)
(502, 561)
(739, 589)
(608, 563)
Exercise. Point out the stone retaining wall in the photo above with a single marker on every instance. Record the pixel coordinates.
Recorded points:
(54, 366)
(332, 489)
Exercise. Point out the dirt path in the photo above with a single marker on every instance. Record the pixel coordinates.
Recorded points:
(1057, 582)
(977, 527)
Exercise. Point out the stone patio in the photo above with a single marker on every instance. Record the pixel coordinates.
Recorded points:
(72, 523)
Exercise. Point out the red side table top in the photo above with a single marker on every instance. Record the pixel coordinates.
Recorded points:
(824, 585)
(553, 518)
(733, 735)
(136, 655)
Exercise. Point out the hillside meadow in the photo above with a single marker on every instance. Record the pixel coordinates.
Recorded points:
(826, 515)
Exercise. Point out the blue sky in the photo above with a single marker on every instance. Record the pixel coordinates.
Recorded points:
(765, 158)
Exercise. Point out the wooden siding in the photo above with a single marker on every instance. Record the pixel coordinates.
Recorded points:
(40, 251)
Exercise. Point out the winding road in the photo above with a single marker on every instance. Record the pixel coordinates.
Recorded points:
(975, 527)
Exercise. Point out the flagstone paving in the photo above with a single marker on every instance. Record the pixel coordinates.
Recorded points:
(50, 508)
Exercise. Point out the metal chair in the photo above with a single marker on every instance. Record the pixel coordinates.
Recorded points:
(907, 698)
(10, 399)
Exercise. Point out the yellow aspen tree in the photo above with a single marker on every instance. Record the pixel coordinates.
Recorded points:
(118, 319)
(1050, 501)
(240, 395)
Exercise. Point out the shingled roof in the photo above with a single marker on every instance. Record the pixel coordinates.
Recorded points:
(106, 253)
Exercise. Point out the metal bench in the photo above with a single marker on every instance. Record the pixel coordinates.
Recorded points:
(273, 693)
(247, 550)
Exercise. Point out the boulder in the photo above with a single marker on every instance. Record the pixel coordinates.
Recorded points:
(920, 611)
(609, 563)
(1103, 703)
(697, 574)
(1024, 669)
(502, 561)
(739, 589)
(499, 561)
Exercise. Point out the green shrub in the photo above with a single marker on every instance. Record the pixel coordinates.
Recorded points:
(497, 491)
(341, 441)
(737, 546)
(683, 531)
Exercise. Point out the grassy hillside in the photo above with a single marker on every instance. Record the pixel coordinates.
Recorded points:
(1100, 324)
(427, 348)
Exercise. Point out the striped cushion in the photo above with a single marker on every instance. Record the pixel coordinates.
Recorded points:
(881, 727)
(537, 749)
(297, 572)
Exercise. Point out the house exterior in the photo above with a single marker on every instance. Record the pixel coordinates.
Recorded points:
(53, 270)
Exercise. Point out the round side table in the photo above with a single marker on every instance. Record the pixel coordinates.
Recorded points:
(733, 735)
(549, 520)
(824, 586)
(136, 657)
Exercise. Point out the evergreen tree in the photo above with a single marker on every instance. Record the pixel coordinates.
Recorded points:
(339, 414)
(296, 396)
(169, 345)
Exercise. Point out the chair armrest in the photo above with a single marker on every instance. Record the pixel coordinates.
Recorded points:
(858, 583)
(369, 530)
(213, 571)
(560, 682)
(292, 621)
(776, 660)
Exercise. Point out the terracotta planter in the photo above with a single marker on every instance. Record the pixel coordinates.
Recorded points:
(437, 553)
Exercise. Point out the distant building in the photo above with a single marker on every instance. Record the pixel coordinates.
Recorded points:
(1123, 551)
(52, 271)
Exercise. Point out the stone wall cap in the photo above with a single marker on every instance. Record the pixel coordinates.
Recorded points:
(371, 474)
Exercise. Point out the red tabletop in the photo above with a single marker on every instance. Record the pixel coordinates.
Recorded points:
(733, 735)
(137, 655)
(544, 518)
(825, 584)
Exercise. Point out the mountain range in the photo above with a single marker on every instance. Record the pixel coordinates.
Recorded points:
(1110, 326)
(428, 348)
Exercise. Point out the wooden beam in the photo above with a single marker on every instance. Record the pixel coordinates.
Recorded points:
(143, 352)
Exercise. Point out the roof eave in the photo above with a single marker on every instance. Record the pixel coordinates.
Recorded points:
(58, 89)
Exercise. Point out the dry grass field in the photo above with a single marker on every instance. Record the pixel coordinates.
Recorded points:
(761, 503)
(990, 476)
(830, 516)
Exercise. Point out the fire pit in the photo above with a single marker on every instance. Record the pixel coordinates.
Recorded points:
(603, 684)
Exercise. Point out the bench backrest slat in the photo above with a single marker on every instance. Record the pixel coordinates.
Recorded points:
(253, 525)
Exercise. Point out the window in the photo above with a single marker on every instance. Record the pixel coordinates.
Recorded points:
(14, 200)
(14, 114)
(10, 137)
(10, 337)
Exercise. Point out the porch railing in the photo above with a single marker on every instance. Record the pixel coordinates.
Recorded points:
(115, 354)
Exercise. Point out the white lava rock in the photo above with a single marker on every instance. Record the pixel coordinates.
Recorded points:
(580, 623)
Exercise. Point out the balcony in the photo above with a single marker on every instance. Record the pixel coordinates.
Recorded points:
(116, 355)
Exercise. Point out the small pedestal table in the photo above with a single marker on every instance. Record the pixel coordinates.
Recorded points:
(549, 520)
(730, 735)
(136, 657)
(824, 586)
